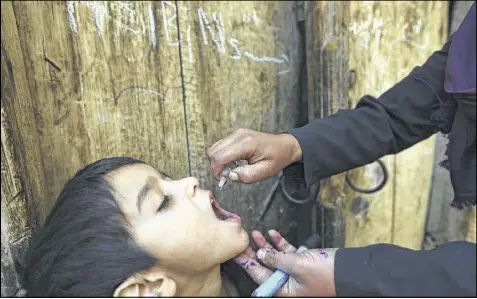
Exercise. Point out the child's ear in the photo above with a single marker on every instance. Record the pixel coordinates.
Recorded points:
(147, 285)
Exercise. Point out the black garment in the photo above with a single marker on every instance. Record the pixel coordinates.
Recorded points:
(391, 271)
(398, 119)
(242, 281)
(460, 81)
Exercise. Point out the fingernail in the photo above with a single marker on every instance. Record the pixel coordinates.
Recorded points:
(260, 254)
(255, 233)
(272, 232)
(233, 176)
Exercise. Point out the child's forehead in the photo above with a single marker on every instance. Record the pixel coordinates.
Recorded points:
(135, 170)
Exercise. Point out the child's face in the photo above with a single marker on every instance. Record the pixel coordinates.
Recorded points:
(175, 220)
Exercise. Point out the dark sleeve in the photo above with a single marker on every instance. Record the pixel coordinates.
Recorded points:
(395, 121)
(391, 271)
(242, 281)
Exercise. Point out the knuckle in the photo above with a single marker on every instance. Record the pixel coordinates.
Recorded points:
(268, 245)
(287, 289)
(239, 131)
(255, 172)
(308, 257)
(306, 262)
(247, 138)
(257, 273)
(246, 176)
(254, 271)
(216, 169)
(272, 258)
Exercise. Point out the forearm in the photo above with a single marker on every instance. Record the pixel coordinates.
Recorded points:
(388, 270)
(398, 119)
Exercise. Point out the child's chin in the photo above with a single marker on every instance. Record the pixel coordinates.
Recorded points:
(245, 240)
(244, 235)
(239, 245)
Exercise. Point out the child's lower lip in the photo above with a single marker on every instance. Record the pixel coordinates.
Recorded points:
(235, 219)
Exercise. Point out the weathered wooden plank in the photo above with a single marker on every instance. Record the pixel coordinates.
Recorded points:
(10, 282)
(18, 156)
(22, 169)
(327, 84)
(240, 65)
(108, 80)
(48, 83)
(85, 80)
(333, 84)
(339, 77)
(16, 228)
(379, 31)
(445, 223)
(471, 226)
(104, 82)
(414, 166)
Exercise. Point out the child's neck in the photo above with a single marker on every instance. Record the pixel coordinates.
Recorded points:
(205, 284)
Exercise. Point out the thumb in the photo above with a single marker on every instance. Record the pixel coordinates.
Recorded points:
(279, 260)
(252, 173)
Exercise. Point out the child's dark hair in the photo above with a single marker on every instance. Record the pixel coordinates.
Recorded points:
(84, 248)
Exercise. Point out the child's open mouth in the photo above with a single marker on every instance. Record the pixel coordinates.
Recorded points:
(221, 213)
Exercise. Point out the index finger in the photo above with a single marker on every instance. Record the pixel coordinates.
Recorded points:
(280, 242)
(224, 141)
(226, 155)
(260, 240)
(254, 269)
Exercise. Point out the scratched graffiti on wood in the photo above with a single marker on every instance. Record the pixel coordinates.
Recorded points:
(362, 48)
(164, 80)
(157, 80)
(389, 36)
(212, 29)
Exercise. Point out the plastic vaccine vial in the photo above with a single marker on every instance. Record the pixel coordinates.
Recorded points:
(222, 182)
(223, 177)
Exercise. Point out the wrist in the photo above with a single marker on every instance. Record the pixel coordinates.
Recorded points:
(294, 149)
(326, 258)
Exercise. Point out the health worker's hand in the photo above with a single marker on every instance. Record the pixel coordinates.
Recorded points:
(266, 155)
(311, 271)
